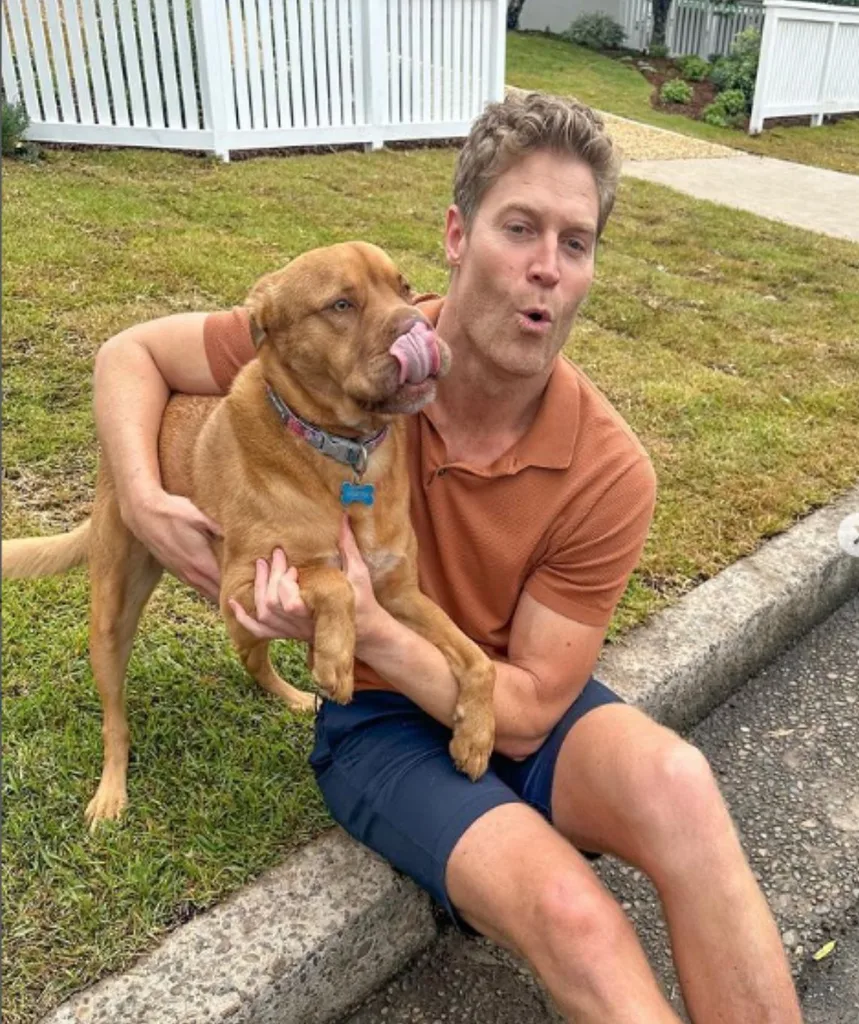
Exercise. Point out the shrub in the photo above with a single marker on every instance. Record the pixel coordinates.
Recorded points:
(692, 68)
(596, 31)
(676, 91)
(728, 110)
(739, 70)
(14, 122)
(657, 50)
(732, 101)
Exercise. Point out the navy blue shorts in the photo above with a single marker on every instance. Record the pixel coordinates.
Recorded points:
(386, 774)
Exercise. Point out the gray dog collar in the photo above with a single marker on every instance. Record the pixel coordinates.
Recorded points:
(352, 452)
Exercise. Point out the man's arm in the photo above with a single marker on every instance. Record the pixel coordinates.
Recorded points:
(550, 656)
(550, 660)
(135, 372)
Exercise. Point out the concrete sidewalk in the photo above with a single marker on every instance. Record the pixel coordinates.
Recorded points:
(807, 197)
(315, 936)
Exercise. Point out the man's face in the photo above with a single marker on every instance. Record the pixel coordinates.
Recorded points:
(527, 261)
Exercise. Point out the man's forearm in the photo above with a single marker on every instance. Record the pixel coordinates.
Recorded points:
(130, 396)
(419, 671)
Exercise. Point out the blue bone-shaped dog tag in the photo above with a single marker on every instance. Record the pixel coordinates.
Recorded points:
(351, 494)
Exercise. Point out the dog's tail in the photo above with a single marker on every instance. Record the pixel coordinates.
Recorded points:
(46, 556)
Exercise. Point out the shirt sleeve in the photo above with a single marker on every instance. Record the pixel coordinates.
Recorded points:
(228, 345)
(585, 571)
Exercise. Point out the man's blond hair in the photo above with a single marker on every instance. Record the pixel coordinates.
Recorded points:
(525, 123)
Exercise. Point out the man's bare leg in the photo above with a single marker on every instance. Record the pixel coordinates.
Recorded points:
(626, 785)
(516, 880)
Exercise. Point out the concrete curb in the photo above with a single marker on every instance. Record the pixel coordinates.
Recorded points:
(316, 935)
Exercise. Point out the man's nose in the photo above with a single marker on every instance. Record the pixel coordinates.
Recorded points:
(545, 269)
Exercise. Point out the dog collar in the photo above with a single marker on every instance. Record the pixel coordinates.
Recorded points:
(352, 452)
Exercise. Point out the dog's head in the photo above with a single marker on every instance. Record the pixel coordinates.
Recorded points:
(339, 323)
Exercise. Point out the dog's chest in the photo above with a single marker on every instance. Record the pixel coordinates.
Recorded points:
(379, 558)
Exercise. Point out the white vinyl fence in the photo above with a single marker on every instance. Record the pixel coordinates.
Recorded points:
(223, 75)
(809, 62)
(694, 26)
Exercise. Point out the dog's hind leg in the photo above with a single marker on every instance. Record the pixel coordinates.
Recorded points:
(123, 575)
(253, 651)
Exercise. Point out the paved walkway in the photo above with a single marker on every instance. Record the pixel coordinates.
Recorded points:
(807, 197)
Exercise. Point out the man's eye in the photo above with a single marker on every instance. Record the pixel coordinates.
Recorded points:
(516, 229)
(341, 305)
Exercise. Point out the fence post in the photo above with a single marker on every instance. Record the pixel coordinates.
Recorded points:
(376, 70)
(817, 119)
(768, 38)
(498, 37)
(213, 63)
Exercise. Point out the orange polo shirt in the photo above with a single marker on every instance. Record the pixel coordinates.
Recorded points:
(562, 515)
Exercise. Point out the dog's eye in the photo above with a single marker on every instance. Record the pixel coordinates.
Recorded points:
(341, 305)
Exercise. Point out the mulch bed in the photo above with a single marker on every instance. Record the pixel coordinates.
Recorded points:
(703, 93)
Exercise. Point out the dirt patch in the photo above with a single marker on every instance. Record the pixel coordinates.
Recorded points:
(658, 71)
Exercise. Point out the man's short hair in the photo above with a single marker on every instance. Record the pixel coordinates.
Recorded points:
(525, 123)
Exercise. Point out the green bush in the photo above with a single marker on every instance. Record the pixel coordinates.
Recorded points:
(15, 122)
(732, 101)
(676, 91)
(692, 68)
(728, 110)
(657, 50)
(739, 70)
(596, 31)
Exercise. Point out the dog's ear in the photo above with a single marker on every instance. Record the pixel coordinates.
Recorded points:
(262, 306)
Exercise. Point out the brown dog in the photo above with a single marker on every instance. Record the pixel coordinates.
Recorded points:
(341, 347)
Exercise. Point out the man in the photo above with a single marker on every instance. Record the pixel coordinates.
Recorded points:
(531, 499)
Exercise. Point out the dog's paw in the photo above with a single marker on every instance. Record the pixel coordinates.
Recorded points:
(301, 702)
(107, 805)
(473, 739)
(334, 676)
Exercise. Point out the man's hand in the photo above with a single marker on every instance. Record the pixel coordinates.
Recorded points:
(180, 536)
(280, 612)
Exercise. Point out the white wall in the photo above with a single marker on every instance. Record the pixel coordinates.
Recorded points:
(557, 14)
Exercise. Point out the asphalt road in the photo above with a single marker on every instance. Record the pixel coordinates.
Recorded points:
(785, 749)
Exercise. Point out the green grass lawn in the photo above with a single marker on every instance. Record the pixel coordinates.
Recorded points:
(553, 65)
(728, 342)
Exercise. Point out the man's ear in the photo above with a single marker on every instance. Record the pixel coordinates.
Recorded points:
(454, 236)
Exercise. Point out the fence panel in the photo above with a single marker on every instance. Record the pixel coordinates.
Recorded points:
(809, 62)
(693, 26)
(244, 75)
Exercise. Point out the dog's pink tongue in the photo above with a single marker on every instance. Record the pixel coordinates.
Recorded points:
(417, 353)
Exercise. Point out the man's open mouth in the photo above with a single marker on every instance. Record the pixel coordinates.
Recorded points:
(537, 315)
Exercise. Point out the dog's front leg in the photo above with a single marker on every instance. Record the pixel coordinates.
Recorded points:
(330, 598)
(253, 651)
(474, 715)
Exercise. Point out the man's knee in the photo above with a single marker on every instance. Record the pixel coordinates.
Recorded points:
(678, 805)
(574, 916)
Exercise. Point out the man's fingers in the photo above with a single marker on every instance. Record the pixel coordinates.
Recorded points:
(289, 594)
(261, 585)
(348, 546)
(255, 628)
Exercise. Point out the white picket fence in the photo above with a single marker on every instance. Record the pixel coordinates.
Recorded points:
(221, 75)
(694, 26)
(809, 62)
